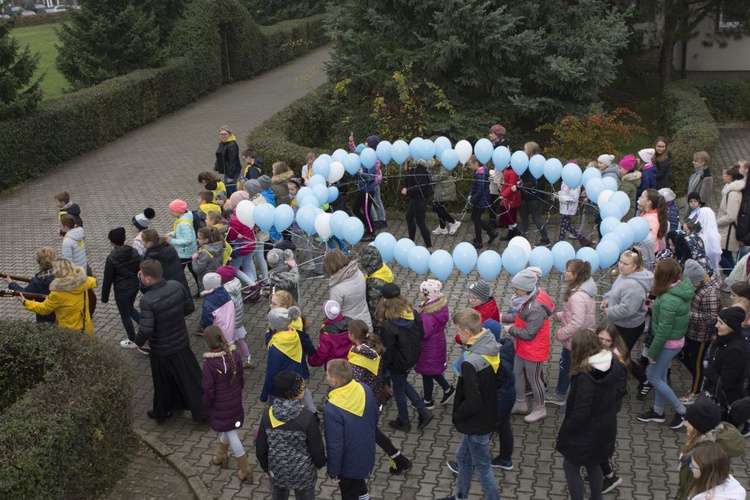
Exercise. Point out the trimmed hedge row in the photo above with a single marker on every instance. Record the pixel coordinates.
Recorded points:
(64, 128)
(65, 413)
(24, 21)
(727, 99)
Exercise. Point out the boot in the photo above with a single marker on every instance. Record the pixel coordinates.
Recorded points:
(520, 407)
(425, 416)
(512, 233)
(538, 413)
(399, 464)
(244, 471)
(221, 457)
(585, 242)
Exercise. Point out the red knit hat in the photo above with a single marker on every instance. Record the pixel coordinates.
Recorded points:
(227, 273)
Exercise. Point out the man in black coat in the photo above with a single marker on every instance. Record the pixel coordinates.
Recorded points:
(174, 369)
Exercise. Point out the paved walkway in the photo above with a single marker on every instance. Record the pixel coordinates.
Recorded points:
(153, 165)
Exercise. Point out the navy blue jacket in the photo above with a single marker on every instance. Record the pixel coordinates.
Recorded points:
(211, 302)
(479, 196)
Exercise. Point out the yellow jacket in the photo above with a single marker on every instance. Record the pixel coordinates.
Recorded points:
(68, 299)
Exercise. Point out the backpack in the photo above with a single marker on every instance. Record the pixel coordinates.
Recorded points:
(742, 225)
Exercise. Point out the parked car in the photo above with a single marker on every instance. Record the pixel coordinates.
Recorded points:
(39, 8)
(57, 8)
(28, 13)
(13, 11)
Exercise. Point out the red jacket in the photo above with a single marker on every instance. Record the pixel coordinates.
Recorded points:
(488, 310)
(511, 199)
(242, 235)
(533, 345)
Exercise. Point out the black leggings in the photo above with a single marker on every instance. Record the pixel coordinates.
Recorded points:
(630, 336)
(384, 443)
(692, 358)
(415, 216)
(361, 209)
(479, 223)
(189, 264)
(575, 481)
(443, 216)
(505, 438)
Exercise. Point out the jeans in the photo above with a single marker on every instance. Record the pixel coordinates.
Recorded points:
(415, 217)
(231, 186)
(427, 385)
(563, 378)
(657, 376)
(125, 300)
(474, 454)
(532, 207)
(260, 259)
(377, 210)
(283, 493)
(245, 269)
(401, 390)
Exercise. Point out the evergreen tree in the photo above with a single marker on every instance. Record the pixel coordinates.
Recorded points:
(107, 38)
(18, 94)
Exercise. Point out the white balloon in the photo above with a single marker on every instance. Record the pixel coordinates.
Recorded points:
(522, 242)
(463, 148)
(323, 225)
(244, 212)
(337, 172)
(604, 197)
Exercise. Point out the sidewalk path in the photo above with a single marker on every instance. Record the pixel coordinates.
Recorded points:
(153, 165)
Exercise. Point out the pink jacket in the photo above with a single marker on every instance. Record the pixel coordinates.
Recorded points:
(579, 312)
(653, 228)
(245, 235)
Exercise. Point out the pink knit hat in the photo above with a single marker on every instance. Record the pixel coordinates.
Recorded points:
(498, 130)
(647, 155)
(178, 205)
(628, 162)
(227, 273)
(431, 288)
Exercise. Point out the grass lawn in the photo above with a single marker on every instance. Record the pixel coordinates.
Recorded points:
(42, 39)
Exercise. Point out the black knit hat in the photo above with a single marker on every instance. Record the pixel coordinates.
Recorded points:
(390, 291)
(733, 317)
(117, 236)
(704, 414)
(694, 196)
(288, 385)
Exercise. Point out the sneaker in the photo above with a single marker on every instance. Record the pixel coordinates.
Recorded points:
(448, 395)
(538, 413)
(402, 426)
(452, 228)
(430, 405)
(677, 422)
(368, 237)
(746, 430)
(128, 344)
(502, 464)
(249, 363)
(519, 407)
(144, 351)
(610, 483)
(555, 399)
(544, 243)
(688, 399)
(643, 390)
(440, 230)
(651, 416)
(453, 466)
(493, 237)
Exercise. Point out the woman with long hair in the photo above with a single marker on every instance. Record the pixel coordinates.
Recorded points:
(653, 208)
(710, 468)
(662, 161)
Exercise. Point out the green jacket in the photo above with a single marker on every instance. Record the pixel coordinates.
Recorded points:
(669, 315)
(444, 188)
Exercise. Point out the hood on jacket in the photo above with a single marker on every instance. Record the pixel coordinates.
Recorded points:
(122, 254)
(632, 176)
(69, 283)
(163, 252)
(370, 259)
(72, 209)
(644, 278)
(285, 410)
(233, 286)
(602, 360)
(432, 306)
(589, 287)
(282, 178)
(613, 169)
(344, 274)
(733, 186)
(75, 234)
(485, 345)
(215, 248)
(684, 290)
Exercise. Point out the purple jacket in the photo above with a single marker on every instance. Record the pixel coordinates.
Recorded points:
(221, 398)
(432, 355)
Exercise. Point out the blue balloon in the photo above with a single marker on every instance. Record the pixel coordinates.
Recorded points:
(384, 152)
(384, 242)
(608, 252)
(610, 183)
(608, 225)
(622, 200)
(449, 159)
(426, 149)
(611, 236)
(594, 188)
(501, 157)
(552, 170)
(441, 144)
(441, 264)
(353, 230)
(321, 166)
(419, 260)
(590, 173)
(321, 194)
(537, 166)
(626, 235)
(465, 257)
(542, 258)
(483, 150)
(399, 151)
(351, 163)
(283, 216)
(327, 158)
(333, 194)
(315, 180)
(588, 254)
(519, 162)
(414, 148)
(337, 220)
(610, 210)
(489, 265)
(308, 201)
(303, 192)
(368, 157)
(339, 155)
(264, 216)
(562, 252)
(401, 251)
(640, 228)
(514, 259)
(571, 175)
(305, 218)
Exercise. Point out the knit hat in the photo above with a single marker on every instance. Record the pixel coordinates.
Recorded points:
(265, 182)
(733, 317)
(606, 159)
(390, 291)
(494, 327)
(694, 271)
(647, 154)
(235, 199)
(628, 162)
(526, 279)
(693, 225)
(497, 129)
(332, 309)
(694, 196)
(288, 385)
(178, 206)
(142, 221)
(117, 236)
(668, 194)
(274, 257)
(220, 195)
(431, 288)
(480, 290)
(280, 318)
(211, 281)
(372, 141)
(252, 187)
(227, 273)
(704, 415)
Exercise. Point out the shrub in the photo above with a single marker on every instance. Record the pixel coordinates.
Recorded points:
(65, 413)
(727, 99)
(23, 21)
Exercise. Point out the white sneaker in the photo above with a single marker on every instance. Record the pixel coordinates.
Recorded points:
(538, 413)
(452, 228)
(440, 230)
(128, 344)
(519, 407)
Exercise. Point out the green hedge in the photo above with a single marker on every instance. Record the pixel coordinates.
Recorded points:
(65, 414)
(24, 21)
(691, 128)
(727, 99)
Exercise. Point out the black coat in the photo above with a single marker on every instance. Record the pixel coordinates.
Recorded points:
(228, 159)
(121, 270)
(401, 339)
(164, 306)
(589, 430)
(170, 262)
(533, 189)
(418, 183)
(727, 361)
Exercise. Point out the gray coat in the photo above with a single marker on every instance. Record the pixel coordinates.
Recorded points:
(73, 247)
(444, 185)
(349, 290)
(627, 299)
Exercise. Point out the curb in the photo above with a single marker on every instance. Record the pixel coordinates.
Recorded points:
(200, 490)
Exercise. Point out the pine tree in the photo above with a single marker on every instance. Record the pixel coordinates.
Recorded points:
(107, 38)
(18, 94)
